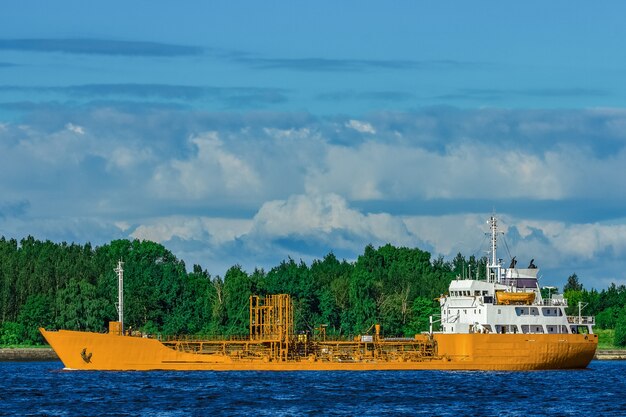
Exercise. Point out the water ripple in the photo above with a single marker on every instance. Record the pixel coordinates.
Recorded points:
(39, 388)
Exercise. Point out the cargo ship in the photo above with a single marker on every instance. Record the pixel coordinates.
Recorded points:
(498, 322)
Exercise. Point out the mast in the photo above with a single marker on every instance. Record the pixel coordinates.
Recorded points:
(120, 294)
(494, 242)
(493, 270)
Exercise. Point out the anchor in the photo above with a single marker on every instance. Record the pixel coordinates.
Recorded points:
(86, 356)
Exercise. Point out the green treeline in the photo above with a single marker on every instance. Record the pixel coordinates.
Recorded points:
(70, 286)
(74, 286)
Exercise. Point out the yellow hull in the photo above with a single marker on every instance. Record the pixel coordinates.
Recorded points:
(509, 352)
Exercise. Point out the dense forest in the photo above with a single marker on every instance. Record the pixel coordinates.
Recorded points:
(70, 286)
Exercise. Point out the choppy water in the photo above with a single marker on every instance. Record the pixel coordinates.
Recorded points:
(42, 388)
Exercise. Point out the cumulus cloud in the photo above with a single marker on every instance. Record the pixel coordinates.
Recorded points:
(359, 126)
(395, 171)
(298, 226)
(124, 157)
(559, 248)
(329, 218)
(583, 241)
(263, 186)
(74, 128)
(216, 231)
(212, 168)
(303, 225)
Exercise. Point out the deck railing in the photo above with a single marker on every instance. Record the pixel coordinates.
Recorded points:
(555, 302)
(581, 319)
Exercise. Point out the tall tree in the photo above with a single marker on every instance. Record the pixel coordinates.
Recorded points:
(572, 284)
(237, 291)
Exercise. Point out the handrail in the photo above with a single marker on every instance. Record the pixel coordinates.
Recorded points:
(555, 302)
(581, 319)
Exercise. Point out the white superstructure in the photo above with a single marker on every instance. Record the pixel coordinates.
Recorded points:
(508, 300)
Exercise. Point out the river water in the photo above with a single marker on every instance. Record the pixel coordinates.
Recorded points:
(44, 389)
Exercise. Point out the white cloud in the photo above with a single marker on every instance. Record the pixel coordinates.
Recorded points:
(58, 148)
(359, 126)
(447, 235)
(211, 172)
(215, 231)
(395, 171)
(289, 134)
(122, 225)
(123, 157)
(142, 174)
(327, 222)
(75, 128)
(328, 218)
(324, 221)
(584, 241)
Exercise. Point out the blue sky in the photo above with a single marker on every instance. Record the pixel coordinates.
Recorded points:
(244, 132)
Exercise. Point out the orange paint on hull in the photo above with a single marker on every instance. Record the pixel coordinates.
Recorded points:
(509, 352)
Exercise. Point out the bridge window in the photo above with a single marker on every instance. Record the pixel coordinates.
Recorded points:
(521, 311)
(550, 312)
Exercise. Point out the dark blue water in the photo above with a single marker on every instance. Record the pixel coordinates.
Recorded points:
(42, 388)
